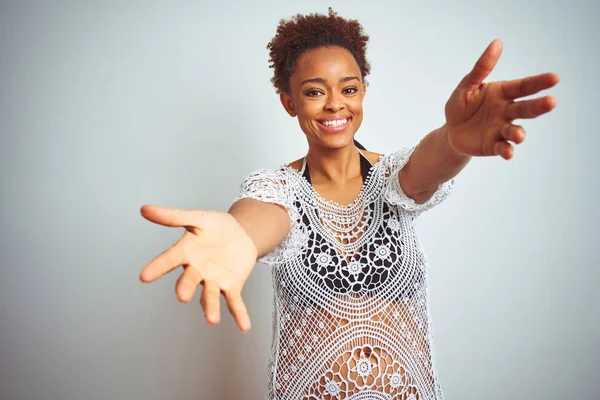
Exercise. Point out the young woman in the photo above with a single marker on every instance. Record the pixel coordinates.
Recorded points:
(351, 318)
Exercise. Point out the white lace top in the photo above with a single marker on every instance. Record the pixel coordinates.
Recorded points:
(350, 304)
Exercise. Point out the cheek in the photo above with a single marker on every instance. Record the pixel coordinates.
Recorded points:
(356, 107)
(307, 113)
(310, 109)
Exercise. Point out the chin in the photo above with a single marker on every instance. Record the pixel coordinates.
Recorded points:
(336, 142)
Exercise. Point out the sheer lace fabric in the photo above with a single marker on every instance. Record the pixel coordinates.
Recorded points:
(350, 304)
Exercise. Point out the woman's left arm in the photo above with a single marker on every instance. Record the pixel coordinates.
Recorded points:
(479, 122)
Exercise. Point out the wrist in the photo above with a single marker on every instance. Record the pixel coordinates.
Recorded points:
(451, 153)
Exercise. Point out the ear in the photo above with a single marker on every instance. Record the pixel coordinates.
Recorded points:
(287, 103)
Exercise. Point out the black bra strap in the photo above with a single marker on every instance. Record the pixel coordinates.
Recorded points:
(360, 146)
(305, 174)
(365, 167)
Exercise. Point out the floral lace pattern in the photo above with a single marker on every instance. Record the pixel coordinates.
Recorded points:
(350, 306)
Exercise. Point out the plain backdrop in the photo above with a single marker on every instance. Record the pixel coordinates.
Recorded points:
(106, 106)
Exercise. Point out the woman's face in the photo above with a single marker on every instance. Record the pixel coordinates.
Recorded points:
(326, 94)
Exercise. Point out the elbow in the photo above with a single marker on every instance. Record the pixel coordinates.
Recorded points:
(421, 197)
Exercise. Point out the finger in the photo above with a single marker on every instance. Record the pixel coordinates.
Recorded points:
(530, 108)
(486, 63)
(503, 149)
(187, 283)
(528, 86)
(237, 308)
(165, 262)
(514, 133)
(172, 217)
(211, 302)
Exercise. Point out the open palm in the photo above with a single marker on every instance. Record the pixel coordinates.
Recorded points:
(215, 251)
(479, 116)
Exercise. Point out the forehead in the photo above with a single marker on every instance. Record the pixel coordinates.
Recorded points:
(330, 63)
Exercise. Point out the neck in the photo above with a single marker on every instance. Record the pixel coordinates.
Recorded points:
(334, 166)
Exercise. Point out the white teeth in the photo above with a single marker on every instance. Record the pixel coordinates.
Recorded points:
(336, 122)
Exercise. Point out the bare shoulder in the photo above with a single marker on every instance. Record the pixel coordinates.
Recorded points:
(373, 157)
(297, 165)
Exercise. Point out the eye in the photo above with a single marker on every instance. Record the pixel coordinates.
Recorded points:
(313, 93)
(350, 90)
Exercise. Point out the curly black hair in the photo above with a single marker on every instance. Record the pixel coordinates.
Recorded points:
(304, 32)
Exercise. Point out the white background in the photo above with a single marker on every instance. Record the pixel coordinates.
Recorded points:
(107, 106)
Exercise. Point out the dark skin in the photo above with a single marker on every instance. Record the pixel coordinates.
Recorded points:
(218, 250)
(479, 122)
(327, 84)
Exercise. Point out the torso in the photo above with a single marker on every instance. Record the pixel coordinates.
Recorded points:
(350, 308)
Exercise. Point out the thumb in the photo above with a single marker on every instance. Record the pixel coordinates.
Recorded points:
(486, 63)
(167, 216)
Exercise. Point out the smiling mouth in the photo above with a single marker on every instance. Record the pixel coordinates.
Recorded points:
(334, 125)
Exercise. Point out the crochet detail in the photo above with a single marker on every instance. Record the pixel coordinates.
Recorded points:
(271, 187)
(350, 306)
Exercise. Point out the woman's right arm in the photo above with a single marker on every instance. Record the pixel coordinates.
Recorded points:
(218, 250)
(267, 224)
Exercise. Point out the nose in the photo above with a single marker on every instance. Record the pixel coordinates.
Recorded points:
(334, 103)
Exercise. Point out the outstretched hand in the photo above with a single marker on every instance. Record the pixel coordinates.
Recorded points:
(215, 251)
(479, 116)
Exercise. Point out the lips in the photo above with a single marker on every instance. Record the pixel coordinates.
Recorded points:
(334, 125)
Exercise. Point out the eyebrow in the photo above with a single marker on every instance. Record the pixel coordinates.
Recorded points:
(321, 80)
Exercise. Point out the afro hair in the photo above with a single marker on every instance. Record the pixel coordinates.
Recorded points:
(305, 32)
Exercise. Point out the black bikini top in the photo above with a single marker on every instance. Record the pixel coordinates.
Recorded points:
(365, 165)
